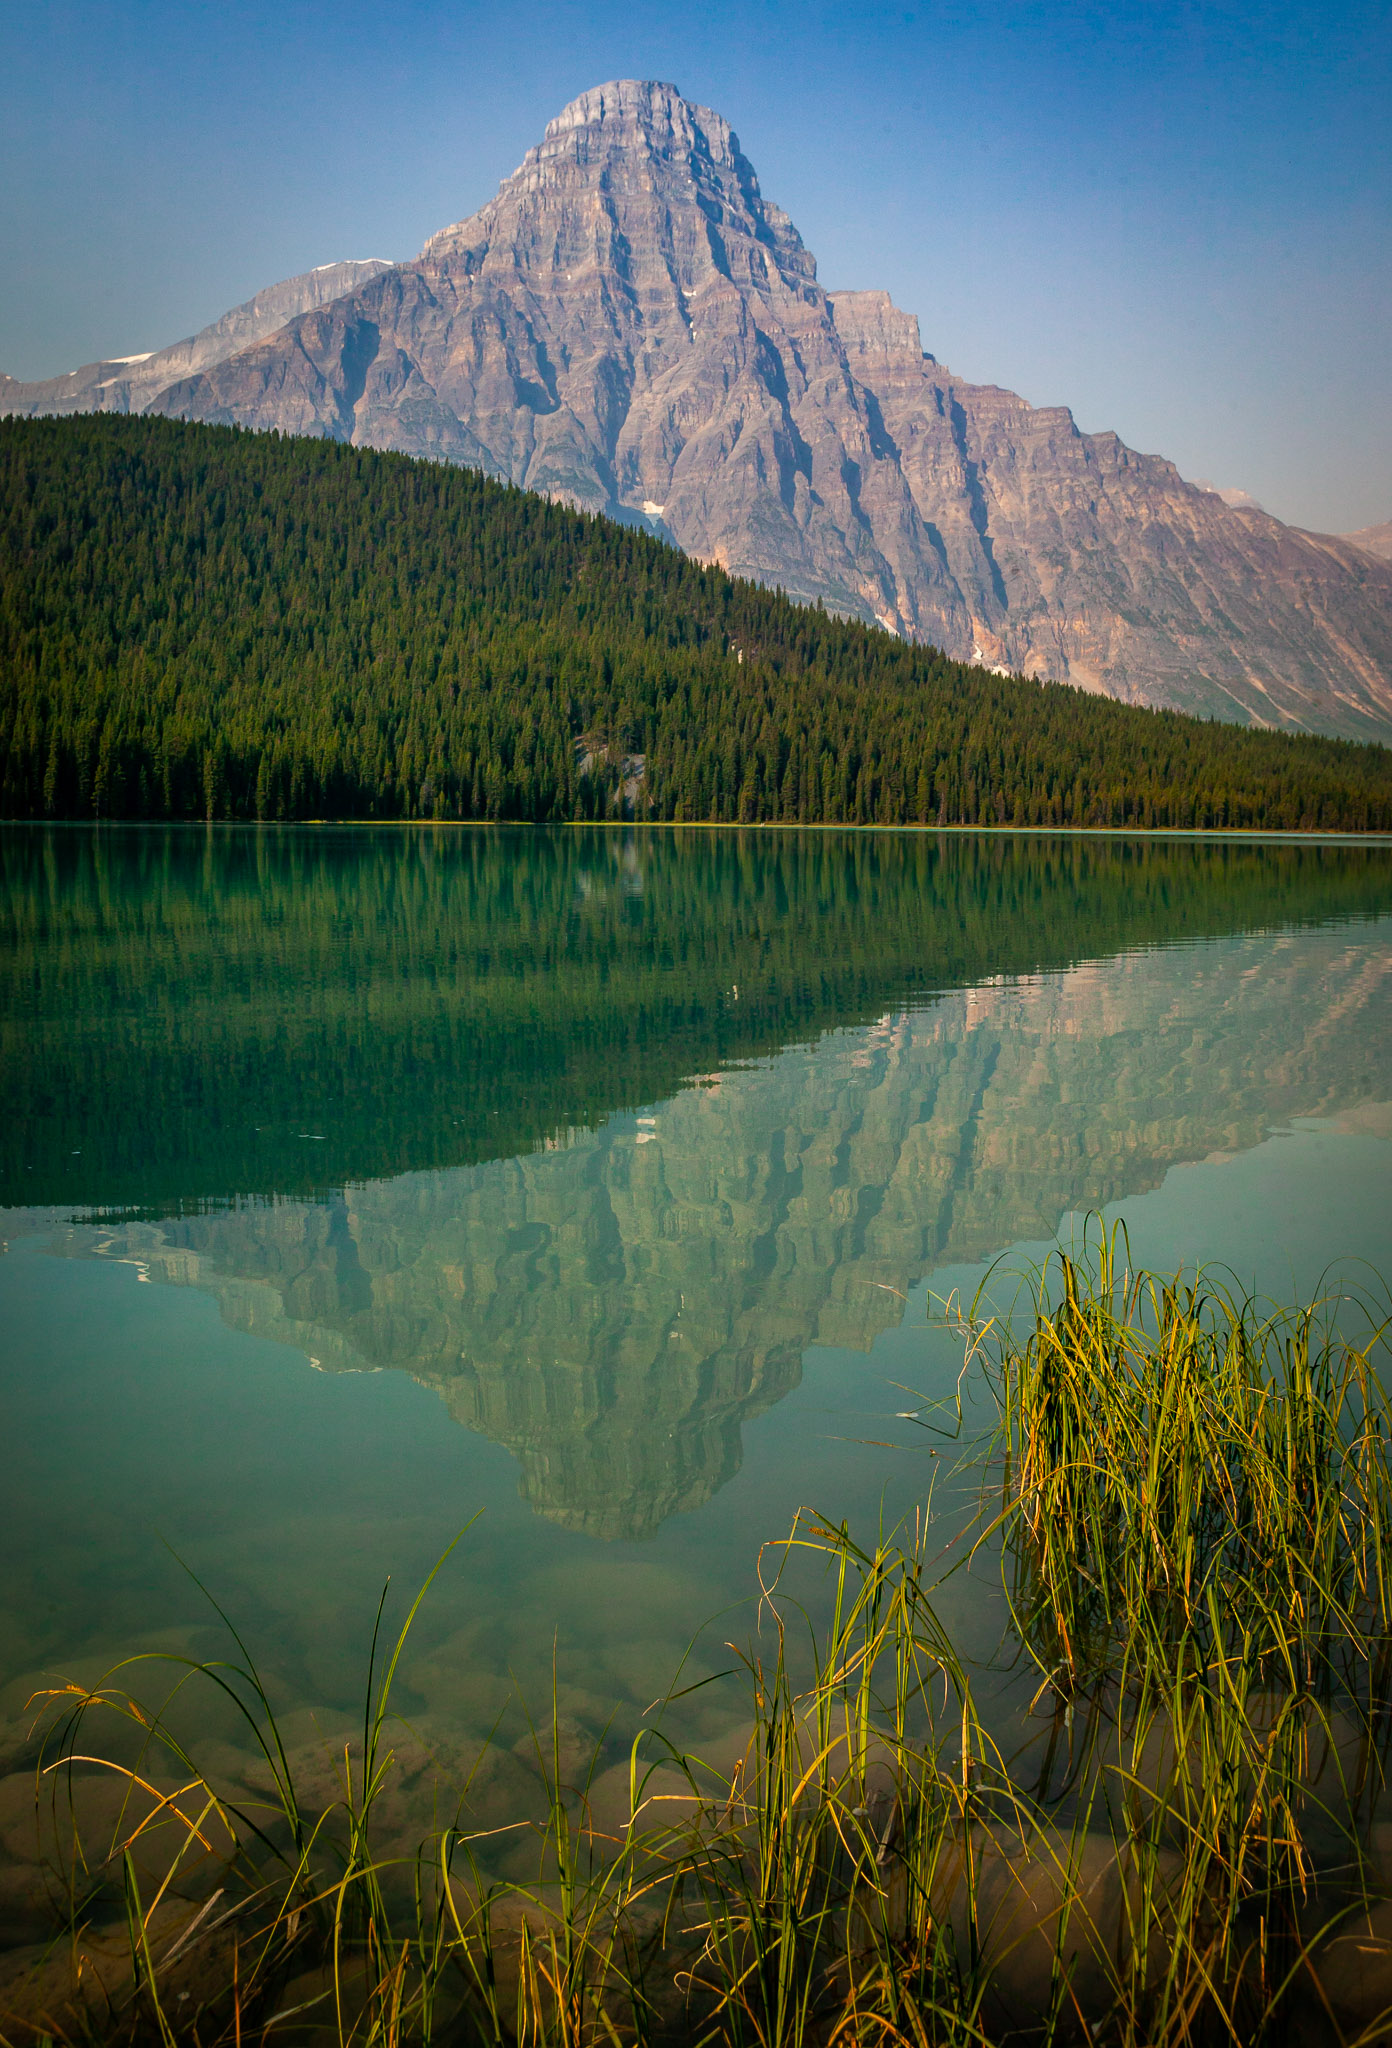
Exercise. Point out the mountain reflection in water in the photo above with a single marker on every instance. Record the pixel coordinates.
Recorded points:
(187, 1017)
(643, 1270)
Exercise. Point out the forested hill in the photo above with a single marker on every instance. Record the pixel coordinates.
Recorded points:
(196, 621)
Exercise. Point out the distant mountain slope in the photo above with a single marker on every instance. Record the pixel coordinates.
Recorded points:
(1374, 540)
(200, 622)
(129, 383)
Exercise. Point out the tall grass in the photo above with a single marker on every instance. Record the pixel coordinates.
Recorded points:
(1184, 1470)
(1165, 1836)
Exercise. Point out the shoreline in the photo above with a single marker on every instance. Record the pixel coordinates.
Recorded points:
(1224, 835)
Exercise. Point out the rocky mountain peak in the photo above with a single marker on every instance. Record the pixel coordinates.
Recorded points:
(649, 107)
(627, 171)
(630, 327)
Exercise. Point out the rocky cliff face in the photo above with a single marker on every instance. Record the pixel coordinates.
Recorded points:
(615, 1307)
(130, 383)
(632, 327)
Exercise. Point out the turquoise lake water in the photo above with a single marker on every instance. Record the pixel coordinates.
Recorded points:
(601, 1185)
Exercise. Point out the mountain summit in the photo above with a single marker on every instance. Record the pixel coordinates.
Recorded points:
(630, 326)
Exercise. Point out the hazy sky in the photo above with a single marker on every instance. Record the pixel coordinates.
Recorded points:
(1176, 219)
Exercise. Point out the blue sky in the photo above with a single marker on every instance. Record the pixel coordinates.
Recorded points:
(1176, 219)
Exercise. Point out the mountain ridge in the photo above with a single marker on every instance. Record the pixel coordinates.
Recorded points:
(140, 378)
(1374, 540)
(631, 327)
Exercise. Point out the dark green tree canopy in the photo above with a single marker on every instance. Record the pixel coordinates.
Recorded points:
(200, 622)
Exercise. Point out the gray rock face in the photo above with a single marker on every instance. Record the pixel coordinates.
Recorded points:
(631, 327)
(129, 383)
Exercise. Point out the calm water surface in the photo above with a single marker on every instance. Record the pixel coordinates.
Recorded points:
(357, 1183)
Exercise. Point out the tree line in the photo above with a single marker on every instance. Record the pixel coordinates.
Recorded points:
(200, 622)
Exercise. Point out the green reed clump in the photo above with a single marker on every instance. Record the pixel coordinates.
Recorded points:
(809, 1886)
(1187, 1500)
(1183, 1469)
(1194, 1495)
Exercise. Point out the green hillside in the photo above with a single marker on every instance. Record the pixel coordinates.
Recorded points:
(198, 622)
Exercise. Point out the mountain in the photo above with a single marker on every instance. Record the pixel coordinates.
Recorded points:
(131, 383)
(631, 327)
(1374, 540)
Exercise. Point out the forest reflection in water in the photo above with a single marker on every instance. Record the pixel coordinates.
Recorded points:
(598, 1135)
(614, 1305)
(187, 1017)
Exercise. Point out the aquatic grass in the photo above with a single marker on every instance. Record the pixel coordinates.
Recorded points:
(293, 1882)
(1178, 1464)
(1186, 1496)
(1192, 1527)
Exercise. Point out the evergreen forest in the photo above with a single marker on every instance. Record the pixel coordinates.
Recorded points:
(203, 623)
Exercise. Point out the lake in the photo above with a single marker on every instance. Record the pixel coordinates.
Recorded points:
(606, 1186)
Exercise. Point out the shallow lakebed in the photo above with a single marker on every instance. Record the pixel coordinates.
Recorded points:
(606, 1186)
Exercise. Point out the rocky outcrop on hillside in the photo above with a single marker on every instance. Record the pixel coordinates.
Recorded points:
(630, 326)
(129, 383)
(615, 1306)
